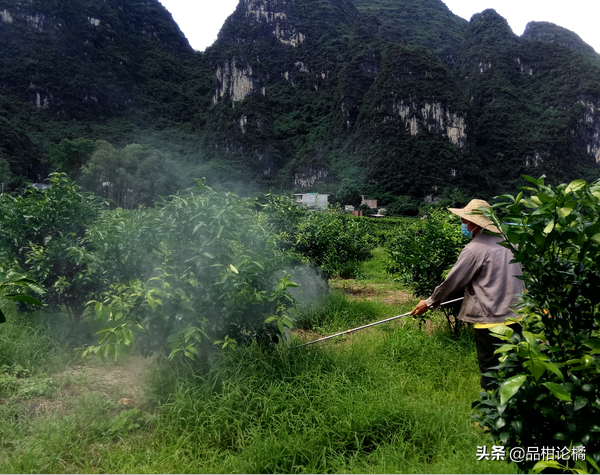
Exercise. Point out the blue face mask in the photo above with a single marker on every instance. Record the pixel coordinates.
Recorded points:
(465, 230)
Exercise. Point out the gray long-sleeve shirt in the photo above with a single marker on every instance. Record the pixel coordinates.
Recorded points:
(489, 281)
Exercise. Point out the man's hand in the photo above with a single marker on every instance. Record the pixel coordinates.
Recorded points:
(420, 309)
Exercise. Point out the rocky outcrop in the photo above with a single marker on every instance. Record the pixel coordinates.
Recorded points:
(590, 129)
(433, 117)
(539, 156)
(524, 68)
(273, 13)
(34, 21)
(235, 77)
(309, 177)
(6, 16)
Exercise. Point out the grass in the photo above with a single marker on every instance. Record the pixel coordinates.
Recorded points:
(383, 401)
(26, 343)
(391, 399)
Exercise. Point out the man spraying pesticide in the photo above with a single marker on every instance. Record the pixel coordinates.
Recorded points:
(491, 286)
(490, 283)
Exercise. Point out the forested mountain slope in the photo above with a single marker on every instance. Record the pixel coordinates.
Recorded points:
(88, 68)
(401, 97)
(427, 23)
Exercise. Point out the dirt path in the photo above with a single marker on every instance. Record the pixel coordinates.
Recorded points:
(357, 290)
(121, 383)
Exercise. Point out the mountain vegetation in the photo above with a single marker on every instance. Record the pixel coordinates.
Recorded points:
(402, 97)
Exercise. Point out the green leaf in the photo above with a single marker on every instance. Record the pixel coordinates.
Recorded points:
(529, 203)
(531, 179)
(518, 198)
(544, 464)
(592, 462)
(529, 337)
(554, 369)
(596, 237)
(575, 186)
(539, 238)
(580, 402)
(510, 387)
(536, 368)
(504, 348)
(592, 229)
(593, 343)
(559, 391)
(517, 425)
(232, 267)
(549, 227)
(503, 330)
(564, 212)
(513, 237)
(22, 298)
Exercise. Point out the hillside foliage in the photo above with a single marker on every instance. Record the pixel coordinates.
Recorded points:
(406, 101)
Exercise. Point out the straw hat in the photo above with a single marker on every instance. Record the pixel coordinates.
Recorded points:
(470, 213)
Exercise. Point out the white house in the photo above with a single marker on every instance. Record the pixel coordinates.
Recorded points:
(313, 200)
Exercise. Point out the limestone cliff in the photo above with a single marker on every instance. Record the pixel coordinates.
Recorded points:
(589, 128)
(273, 14)
(309, 177)
(433, 117)
(234, 77)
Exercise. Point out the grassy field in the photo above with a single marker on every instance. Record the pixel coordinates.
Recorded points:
(392, 399)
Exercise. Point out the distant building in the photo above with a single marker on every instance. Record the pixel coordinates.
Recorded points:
(313, 200)
(370, 203)
(348, 208)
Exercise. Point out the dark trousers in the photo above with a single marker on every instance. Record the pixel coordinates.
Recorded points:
(486, 344)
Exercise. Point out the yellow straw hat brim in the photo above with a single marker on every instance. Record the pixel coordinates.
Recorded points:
(471, 213)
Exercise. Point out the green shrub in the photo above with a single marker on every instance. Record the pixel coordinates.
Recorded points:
(332, 241)
(403, 206)
(550, 390)
(37, 230)
(421, 252)
(206, 268)
(328, 240)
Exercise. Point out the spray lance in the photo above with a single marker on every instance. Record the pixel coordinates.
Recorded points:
(352, 330)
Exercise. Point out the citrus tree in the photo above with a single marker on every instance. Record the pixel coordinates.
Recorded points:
(199, 268)
(37, 231)
(421, 252)
(549, 392)
(328, 240)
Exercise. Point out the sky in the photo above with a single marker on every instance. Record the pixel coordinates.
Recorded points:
(201, 20)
